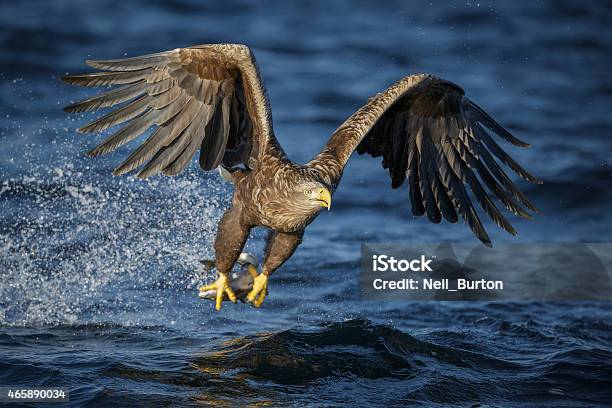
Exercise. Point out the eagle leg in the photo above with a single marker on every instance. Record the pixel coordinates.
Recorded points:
(229, 242)
(279, 247)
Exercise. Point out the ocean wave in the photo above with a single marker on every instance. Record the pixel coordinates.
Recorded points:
(361, 351)
(358, 359)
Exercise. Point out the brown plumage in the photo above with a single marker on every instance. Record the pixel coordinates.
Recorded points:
(211, 99)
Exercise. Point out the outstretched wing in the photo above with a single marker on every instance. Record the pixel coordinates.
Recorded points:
(207, 97)
(428, 132)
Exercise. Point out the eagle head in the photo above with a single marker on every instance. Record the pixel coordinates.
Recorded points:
(312, 195)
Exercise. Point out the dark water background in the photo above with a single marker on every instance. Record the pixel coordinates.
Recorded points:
(98, 275)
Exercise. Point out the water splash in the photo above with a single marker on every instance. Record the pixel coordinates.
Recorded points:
(69, 240)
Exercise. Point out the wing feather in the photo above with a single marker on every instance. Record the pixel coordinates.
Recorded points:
(425, 180)
(162, 137)
(136, 63)
(416, 199)
(185, 157)
(489, 122)
(445, 161)
(113, 118)
(171, 151)
(443, 149)
(503, 156)
(494, 168)
(465, 174)
(213, 145)
(443, 200)
(503, 196)
(108, 78)
(110, 98)
(166, 98)
(125, 134)
(400, 149)
(139, 126)
(172, 91)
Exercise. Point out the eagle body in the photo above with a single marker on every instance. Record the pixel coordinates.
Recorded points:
(265, 195)
(211, 99)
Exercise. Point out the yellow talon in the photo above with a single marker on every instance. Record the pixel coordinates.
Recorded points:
(258, 294)
(221, 285)
(206, 288)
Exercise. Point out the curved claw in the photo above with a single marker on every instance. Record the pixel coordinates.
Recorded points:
(221, 285)
(257, 295)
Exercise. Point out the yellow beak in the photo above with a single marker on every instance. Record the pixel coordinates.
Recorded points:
(324, 198)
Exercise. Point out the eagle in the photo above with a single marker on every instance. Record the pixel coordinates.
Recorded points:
(211, 99)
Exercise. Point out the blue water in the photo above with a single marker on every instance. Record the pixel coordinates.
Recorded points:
(98, 275)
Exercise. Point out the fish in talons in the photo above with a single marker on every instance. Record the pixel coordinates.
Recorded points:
(240, 281)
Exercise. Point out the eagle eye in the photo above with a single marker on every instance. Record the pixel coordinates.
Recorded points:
(307, 192)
